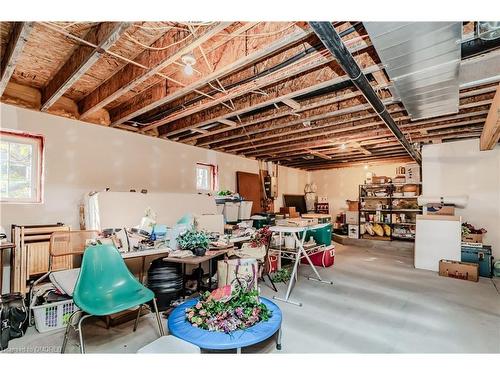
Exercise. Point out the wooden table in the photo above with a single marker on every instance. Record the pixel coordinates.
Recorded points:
(5, 246)
(195, 260)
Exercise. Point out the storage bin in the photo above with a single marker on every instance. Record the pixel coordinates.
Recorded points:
(481, 256)
(231, 210)
(220, 208)
(52, 316)
(245, 210)
(322, 236)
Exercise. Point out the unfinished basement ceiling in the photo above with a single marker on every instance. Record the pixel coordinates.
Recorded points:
(265, 90)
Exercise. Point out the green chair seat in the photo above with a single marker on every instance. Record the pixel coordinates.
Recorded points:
(105, 285)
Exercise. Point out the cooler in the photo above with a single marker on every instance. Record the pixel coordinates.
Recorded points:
(324, 258)
(322, 235)
(481, 256)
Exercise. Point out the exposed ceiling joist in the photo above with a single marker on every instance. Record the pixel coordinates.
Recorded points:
(18, 38)
(491, 129)
(320, 155)
(240, 60)
(298, 87)
(292, 103)
(331, 39)
(104, 35)
(130, 76)
(228, 122)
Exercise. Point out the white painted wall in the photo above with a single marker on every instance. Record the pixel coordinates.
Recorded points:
(458, 168)
(81, 157)
(342, 183)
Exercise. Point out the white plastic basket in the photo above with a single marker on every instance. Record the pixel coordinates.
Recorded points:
(52, 316)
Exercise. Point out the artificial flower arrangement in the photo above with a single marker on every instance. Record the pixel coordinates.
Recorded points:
(261, 237)
(227, 309)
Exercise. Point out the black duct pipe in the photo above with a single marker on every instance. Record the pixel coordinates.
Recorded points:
(477, 46)
(272, 69)
(331, 39)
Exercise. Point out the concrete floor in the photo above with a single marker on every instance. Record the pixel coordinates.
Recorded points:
(379, 304)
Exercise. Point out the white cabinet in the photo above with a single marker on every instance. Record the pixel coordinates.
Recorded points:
(437, 237)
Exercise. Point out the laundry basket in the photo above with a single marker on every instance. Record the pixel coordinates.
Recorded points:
(52, 316)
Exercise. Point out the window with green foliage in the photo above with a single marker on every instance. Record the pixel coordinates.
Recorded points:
(20, 167)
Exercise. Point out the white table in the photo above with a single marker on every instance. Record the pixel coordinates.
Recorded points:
(301, 253)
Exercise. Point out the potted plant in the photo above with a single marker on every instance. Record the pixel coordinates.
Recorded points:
(196, 241)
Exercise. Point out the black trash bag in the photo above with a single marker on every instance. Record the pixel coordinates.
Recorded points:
(13, 318)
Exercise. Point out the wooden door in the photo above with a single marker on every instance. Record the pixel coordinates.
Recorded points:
(250, 189)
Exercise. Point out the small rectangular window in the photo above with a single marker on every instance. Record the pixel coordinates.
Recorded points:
(206, 177)
(21, 167)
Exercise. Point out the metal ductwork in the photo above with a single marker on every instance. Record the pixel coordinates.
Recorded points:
(488, 30)
(331, 39)
(422, 59)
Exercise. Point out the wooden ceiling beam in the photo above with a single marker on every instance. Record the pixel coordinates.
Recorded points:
(18, 38)
(236, 58)
(274, 94)
(293, 104)
(104, 35)
(345, 135)
(267, 122)
(265, 129)
(380, 161)
(228, 122)
(331, 128)
(491, 130)
(131, 75)
(320, 154)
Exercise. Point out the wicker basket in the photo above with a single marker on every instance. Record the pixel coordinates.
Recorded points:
(52, 316)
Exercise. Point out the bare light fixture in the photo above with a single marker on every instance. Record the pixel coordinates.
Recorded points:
(366, 166)
(343, 146)
(189, 60)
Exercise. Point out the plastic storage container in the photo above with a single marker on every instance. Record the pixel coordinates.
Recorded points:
(322, 236)
(481, 256)
(231, 210)
(52, 316)
(245, 210)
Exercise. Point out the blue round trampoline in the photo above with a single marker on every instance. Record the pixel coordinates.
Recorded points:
(181, 328)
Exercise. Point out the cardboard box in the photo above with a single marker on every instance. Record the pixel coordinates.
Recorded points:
(380, 180)
(473, 238)
(352, 217)
(322, 199)
(352, 205)
(353, 231)
(459, 270)
(290, 211)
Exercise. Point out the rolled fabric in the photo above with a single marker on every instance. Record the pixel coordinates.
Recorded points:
(458, 201)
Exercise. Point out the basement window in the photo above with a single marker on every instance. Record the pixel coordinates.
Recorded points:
(21, 167)
(206, 177)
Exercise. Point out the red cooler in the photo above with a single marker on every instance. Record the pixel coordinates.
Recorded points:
(324, 258)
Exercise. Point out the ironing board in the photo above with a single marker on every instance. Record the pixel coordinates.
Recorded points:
(301, 253)
(181, 328)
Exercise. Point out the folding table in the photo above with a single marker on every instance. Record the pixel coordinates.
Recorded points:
(301, 253)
